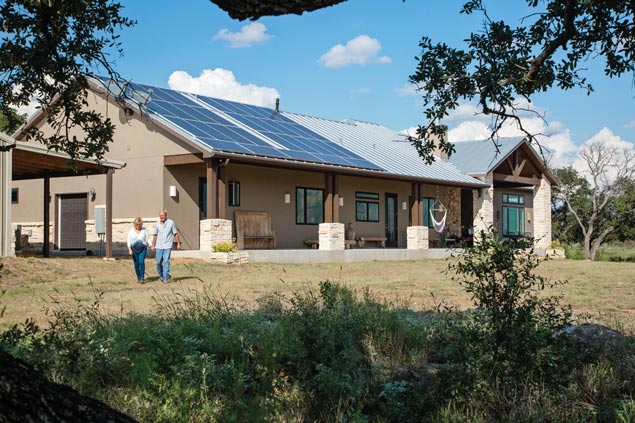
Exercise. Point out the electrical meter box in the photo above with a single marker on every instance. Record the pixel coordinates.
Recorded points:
(100, 219)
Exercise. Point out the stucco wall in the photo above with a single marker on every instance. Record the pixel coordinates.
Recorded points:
(137, 188)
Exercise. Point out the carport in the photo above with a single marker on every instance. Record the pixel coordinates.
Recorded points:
(22, 160)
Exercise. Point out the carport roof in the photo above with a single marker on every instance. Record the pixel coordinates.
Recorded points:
(33, 161)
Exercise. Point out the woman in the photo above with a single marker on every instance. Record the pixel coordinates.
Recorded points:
(137, 247)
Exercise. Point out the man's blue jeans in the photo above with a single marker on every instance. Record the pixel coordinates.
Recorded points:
(139, 263)
(163, 262)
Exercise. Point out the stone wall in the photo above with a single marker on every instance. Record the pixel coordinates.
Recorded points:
(484, 208)
(332, 236)
(120, 229)
(418, 237)
(29, 236)
(452, 197)
(213, 231)
(542, 214)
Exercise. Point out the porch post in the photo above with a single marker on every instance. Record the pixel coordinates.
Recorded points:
(542, 214)
(222, 191)
(484, 208)
(415, 208)
(328, 200)
(212, 200)
(336, 199)
(109, 175)
(47, 213)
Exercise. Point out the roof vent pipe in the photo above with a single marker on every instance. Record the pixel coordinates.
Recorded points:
(277, 105)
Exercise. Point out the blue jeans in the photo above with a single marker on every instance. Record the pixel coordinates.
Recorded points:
(163, 262)
(139, 260)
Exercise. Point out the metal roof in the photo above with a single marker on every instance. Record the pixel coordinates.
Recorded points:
(384, 147)
(480, 157)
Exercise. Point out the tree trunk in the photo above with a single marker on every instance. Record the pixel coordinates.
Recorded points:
(26, 396)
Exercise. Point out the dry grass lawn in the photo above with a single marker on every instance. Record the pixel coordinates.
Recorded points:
(34, 287)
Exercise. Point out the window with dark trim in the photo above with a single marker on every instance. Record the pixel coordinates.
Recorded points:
(15, 195)
(428, 203)
(366, 207)
(202, 198)
(309, 206)
(233, 193)
(513, 199)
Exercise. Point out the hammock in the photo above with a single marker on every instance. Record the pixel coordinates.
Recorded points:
(438, 225)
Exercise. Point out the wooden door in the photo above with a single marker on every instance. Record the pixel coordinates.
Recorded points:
(73, 212)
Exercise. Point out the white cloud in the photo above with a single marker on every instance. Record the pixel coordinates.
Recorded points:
(361, 50)
(606, 136)
(249, 35)
(221, 83)
(407, 90)
(630, 124)
(29, 109)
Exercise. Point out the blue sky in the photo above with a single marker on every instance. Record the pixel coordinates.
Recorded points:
(348, 61)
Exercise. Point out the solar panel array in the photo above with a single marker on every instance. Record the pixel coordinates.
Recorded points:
(195, 119)
(300, 141)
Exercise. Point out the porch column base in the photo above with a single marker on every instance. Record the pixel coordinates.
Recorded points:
(213, 231)
(331, 236)
(418, 238)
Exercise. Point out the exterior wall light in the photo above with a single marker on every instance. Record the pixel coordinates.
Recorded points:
(287, 198)
(172, 191)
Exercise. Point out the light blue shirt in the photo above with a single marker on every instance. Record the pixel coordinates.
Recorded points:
(165, 234)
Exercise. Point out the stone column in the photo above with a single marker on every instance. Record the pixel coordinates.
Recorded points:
(483, 208)
(542, 214)
(418, 237)
(331, 236)
(213, 231)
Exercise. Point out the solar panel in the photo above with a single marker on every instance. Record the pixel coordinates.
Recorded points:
(259, 131)
(300, 142)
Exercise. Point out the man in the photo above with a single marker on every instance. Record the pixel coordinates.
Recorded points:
(165, 233)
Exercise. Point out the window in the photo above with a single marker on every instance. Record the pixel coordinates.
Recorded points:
(309, 206)
(202, 198)
(513, 199)
(233, 194)
(367, 211)
(428, 203)
(15, 194)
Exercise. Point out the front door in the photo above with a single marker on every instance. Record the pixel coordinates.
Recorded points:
(391, 220)
(73, 212)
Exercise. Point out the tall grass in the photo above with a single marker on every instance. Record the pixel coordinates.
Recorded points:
(335, 355)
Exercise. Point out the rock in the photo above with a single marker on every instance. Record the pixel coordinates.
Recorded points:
(589, 335)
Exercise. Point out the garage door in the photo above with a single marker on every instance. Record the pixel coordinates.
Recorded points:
(73, 211)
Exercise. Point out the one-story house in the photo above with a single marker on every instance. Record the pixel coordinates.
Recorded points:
(208, 161)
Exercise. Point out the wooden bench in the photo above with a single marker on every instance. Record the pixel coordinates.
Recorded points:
(253, 230)
(314, 243)
(381, 241)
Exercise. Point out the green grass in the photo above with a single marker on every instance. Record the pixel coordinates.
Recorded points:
(325, 355)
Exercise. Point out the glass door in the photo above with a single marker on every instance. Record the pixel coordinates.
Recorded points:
(391, 220)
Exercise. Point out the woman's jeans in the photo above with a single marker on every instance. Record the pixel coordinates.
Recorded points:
(139, 263)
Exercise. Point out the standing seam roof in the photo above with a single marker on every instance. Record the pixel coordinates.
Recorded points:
(384, 147)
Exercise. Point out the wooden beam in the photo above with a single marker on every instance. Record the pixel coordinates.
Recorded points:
(47, 215)
(212, 190)
(415, 207)
(336, 199)
(109, 177)
(520, 167)
(180, 159)
(516, 179)
(222, 191)
(328, 198)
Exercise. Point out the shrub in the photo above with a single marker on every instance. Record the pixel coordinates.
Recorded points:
(512, 330)
(225, 247)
